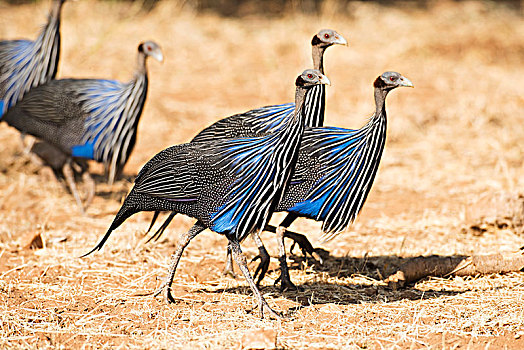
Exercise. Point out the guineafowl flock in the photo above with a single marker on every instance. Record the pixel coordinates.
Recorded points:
(233, 174)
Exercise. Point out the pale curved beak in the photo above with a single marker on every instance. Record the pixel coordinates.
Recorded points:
(406, 82)
(157, 55)
(324, 80)
(339, 39)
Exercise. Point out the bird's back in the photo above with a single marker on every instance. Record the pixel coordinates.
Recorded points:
(51, 113)
(25, 64)
(227, 184)
(253, 122)
(80, 116)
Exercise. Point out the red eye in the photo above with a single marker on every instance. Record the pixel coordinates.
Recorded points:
(326, 36)
(310, 76)
(392, 78)
(148, 48)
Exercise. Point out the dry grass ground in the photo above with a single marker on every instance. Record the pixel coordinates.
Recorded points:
(454, 143)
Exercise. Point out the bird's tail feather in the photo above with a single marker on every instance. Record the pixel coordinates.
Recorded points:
(153, 220)
(123, 214)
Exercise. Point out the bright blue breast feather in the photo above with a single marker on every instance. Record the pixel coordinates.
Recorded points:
(104, 102)
(246, 156)
(338, 151)
(255, 163)
(16, 61)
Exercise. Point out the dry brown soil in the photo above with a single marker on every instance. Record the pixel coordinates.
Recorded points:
(455, 142)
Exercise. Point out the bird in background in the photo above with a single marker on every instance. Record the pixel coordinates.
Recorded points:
(87, 119)
(230, 186)
(265, 120)
(25, 64)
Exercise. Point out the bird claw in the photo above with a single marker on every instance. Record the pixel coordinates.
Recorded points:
(264, 307)
(287, 285)
(272, 313)
(262, 268)
(228, 271)
(305, 247)
(168, 297)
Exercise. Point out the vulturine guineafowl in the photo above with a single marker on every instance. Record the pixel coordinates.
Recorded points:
(335, 170)
(269, 119)
(87, 118)
(25, 64)
(229, 185)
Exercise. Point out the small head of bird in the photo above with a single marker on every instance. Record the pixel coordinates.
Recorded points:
(328, 37)
(150, 48)
(310, 78)
(391, 80)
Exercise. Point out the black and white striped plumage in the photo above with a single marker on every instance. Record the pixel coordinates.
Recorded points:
(335, 170)
(25, 64)
(336, 167)
(88, 118)
(231, 186)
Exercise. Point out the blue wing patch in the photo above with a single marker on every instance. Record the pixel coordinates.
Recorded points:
(83, 151)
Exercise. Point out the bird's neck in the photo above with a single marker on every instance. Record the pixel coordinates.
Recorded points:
(141, 68)
(53, 24)
(380, 102)
(56, 9)
(318, 57)
(300, 97)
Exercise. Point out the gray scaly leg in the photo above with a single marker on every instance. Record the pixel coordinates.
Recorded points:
(90, 183)
(183, 241)
(228, 269)
(70, 179)
(241, 261)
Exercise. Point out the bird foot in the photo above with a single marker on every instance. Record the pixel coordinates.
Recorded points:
(306, 247)
(287, 285)
(168, 297)
(264, 307)
(262, 267)
(272, 313)
(228, 271)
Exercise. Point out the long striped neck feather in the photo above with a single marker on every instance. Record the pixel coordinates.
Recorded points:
(300, 96)
(56, 9)
(48, 44)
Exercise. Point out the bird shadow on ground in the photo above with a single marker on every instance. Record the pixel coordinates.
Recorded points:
(318, 290)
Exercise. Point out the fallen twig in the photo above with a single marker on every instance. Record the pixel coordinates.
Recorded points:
(436, 265)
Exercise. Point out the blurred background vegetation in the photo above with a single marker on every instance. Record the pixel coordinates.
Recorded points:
(239, 8)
